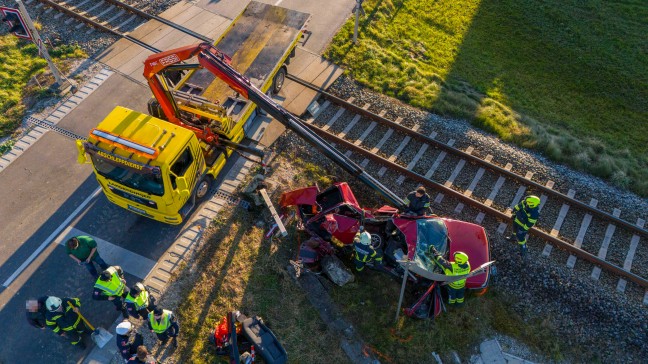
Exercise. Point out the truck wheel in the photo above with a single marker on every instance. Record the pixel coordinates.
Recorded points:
(279, 79)
(203, 188)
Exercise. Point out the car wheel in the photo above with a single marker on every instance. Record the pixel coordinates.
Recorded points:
(279, 79)
(376, 241)
(203, 188)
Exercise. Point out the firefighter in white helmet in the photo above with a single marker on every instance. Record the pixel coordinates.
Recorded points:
(127, 340)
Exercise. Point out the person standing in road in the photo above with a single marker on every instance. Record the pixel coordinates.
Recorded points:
(139, 302)
(525, 215)
(83, 250)
(111, 286)
(128, 340)
(64, 319)
(142, 357)
(164, 324)
(36, 312)
(417, 202)
(460, 266)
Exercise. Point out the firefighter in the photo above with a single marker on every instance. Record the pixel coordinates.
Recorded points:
(65, 320)
(128, 340)
(164, 324)
(83, 250)
(142, 357)
(139, 302)
(458, 267)
(111, 286)
(365, 253)
(525, 215)
(417, 202)
(36, 312)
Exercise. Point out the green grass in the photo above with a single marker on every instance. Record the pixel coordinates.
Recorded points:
(19, 63)
(565, 77)
(370, 303)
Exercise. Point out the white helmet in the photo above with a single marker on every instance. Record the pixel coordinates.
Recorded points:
(53, 303)
(123, 328)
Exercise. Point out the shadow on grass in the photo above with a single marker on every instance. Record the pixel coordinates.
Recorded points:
(204, 260)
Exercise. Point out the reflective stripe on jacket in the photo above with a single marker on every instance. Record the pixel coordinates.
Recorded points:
(364, 252)
(114, 287)
(164, 323)
(525, 216)
(66, 320)
(141, 301)
(453, 269)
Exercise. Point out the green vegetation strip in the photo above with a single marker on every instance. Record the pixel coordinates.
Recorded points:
(567, 78)
(19, 65)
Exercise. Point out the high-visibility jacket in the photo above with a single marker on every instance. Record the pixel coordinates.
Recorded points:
(66, 319)
(114, 287)
(524, 216)
(453, 269)
(163, 325)
(140, 302)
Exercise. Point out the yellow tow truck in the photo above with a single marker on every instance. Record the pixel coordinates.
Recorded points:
(160, 165)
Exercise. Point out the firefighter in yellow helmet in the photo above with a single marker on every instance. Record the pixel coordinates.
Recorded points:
(460, 266)
(525, 215)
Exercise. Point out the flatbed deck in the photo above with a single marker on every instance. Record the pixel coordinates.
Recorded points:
(258, 42)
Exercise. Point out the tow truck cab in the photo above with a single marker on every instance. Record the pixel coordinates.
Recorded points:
(147, 165)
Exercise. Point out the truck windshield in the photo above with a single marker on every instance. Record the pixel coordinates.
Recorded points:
(145, 179)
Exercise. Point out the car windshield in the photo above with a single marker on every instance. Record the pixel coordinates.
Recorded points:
(147, 179)
(430, 232)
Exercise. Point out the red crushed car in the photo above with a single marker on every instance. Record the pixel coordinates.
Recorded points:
(333, 216)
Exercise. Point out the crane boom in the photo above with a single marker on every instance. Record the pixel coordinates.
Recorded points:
(219, 64)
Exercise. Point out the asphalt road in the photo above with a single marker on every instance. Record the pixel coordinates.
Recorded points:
(45, 185)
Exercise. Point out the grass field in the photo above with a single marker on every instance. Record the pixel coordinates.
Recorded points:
(565, 77)
(19, 64)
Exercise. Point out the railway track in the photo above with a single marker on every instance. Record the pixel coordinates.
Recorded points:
(111, 16)
(586, 232)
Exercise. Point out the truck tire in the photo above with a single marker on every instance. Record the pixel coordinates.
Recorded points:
(279, 79)
(202, 190)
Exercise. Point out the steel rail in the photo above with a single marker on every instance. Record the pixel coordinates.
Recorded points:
(97, 25)
(472, 158)
(144, 14)
(490, 210)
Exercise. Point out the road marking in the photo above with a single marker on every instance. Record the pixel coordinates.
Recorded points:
(112, 254)
(49, 239)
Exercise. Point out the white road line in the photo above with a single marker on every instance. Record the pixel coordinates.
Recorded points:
(49, 239)
(112, 254)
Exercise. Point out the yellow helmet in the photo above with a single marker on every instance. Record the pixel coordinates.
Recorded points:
(533, 201)
(460, 257)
